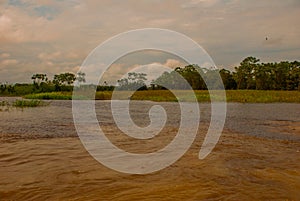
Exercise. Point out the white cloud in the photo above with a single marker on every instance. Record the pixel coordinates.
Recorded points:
(16, 26)
(153, 71)
(55, 35)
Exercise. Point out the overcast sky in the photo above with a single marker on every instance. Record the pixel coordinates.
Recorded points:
(54, 36)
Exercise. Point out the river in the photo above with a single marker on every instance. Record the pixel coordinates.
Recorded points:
(256, 158)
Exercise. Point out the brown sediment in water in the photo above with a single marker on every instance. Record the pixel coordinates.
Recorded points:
(286, 127)
(41, 157)
(240, 167)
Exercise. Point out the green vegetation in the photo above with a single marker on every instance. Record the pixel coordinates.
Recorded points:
(249, 75)
(50, 96)
(41, 84)
(250, 82)
(157, 95)
(241, 96)
(28, 103)
(5, 105)
(66, 96)
(104, 95)
(135, 81)
(259, 96)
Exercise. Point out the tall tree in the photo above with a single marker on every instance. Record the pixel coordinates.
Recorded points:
(80, 77)
(244, 75)
(39, 78)
(227, 78)
(134, 81)
(64, 79)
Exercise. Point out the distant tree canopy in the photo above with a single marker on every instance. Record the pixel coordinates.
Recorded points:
(41, 83)
(192, 76)
(181, 78)
(250, 74)
(267, 76)
(38, 78)
(64, 79)
(134, 81)
(80, 77)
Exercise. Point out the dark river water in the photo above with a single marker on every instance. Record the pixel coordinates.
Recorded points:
(256, 158)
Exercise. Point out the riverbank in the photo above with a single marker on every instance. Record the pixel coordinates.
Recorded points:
(241, 96)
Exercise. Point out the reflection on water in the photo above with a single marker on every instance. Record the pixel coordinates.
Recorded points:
(257, 157)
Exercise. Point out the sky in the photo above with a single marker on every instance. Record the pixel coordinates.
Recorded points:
(55, 36)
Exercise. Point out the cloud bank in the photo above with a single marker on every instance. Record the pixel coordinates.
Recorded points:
(54, 36)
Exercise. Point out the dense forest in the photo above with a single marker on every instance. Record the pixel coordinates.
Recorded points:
(250, 74)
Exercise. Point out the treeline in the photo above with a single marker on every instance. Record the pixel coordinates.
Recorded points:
(250, 74)
(134, 81)
(41, 83)
(60, 83)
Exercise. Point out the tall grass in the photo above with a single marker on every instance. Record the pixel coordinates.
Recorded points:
(241, 96)
(50, 96)
(260, 96)
(6, 106)
(54, 96)
(103, 95)
(28, 103)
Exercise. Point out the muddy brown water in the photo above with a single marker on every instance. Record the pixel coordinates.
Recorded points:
(256, 158)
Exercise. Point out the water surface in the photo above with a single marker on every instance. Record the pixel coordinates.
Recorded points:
(257, 157)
